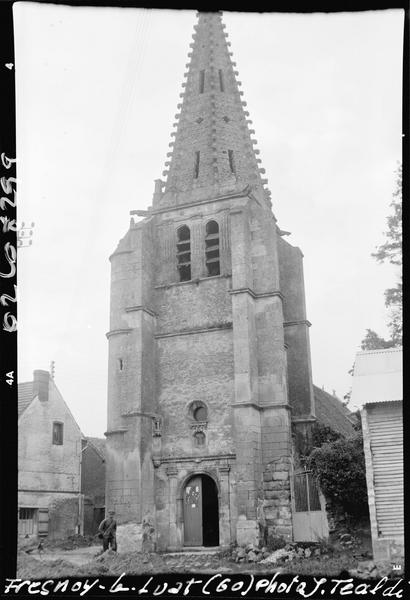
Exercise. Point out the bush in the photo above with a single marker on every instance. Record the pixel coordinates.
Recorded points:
(340, 468)
(322, 434)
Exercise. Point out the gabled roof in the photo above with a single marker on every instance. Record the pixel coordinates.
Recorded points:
(98, 444)
(330, 411)
(29, 390)
(25, 396)
(377, 376)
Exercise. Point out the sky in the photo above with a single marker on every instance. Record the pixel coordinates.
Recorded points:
(97, 90)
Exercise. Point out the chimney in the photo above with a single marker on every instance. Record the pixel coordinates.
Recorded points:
(41, 384)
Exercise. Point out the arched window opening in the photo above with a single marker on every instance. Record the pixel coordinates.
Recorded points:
(199, 438)
(184, 253)
(212, 248)
(200, 413)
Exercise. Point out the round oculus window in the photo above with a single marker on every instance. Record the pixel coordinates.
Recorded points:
(200, 413)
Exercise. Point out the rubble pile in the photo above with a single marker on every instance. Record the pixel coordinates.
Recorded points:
(368, 569)
(348, 541)
(253, 554)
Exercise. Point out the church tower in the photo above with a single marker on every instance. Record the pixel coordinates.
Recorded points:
(209, 390)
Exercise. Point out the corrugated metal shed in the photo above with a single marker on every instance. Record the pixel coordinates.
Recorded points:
(385, 426)
(377, 376)
(378, 388)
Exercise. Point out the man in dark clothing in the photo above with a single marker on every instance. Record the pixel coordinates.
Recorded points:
(108, 531)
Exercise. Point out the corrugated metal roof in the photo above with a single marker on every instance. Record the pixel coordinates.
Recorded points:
(24, 396)
(99, 445)
(377, 376)
(330, 411)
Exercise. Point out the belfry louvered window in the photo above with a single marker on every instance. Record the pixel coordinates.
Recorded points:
(184, 253)
(212, 248)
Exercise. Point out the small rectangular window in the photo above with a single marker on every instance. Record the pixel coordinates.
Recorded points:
(231, 161)
(27, 521)
(58, 433)
(201, 82)
(27, 513)
(221, 81)
(196, 165)
(120, 364)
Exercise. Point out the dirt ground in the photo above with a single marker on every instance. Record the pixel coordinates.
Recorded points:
(85, 558)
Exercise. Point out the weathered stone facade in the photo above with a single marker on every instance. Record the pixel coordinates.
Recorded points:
(209, 359)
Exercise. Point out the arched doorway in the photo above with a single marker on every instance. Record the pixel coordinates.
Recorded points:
(201, 512)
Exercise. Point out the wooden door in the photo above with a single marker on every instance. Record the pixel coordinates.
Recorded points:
(193, 512)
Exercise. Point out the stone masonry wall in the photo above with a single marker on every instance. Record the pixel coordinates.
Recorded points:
(277, 461)
(204, 364)
(296, 330)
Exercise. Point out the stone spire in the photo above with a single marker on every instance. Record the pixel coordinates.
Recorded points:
(212, 152)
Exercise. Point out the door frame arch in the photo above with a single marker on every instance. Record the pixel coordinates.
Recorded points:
(180, 498)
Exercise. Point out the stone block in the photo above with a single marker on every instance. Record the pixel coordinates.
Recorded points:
(280, 475)
(271, 513)
(247, 531)
(129, 537)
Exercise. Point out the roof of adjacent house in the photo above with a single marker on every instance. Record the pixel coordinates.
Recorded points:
(330, 411)
(377, 376)
(25, 395)
(98, 444)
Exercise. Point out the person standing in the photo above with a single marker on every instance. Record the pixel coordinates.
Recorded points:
(108, 531)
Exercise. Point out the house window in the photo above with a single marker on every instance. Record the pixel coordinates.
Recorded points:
(201, 82)
(196, 165)
(27, 521)
(221, 81)
(199, 438)
(26, 514)
(212, 248)
(120, 364)
(58, 433)
(184, 253)
(231, 161)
